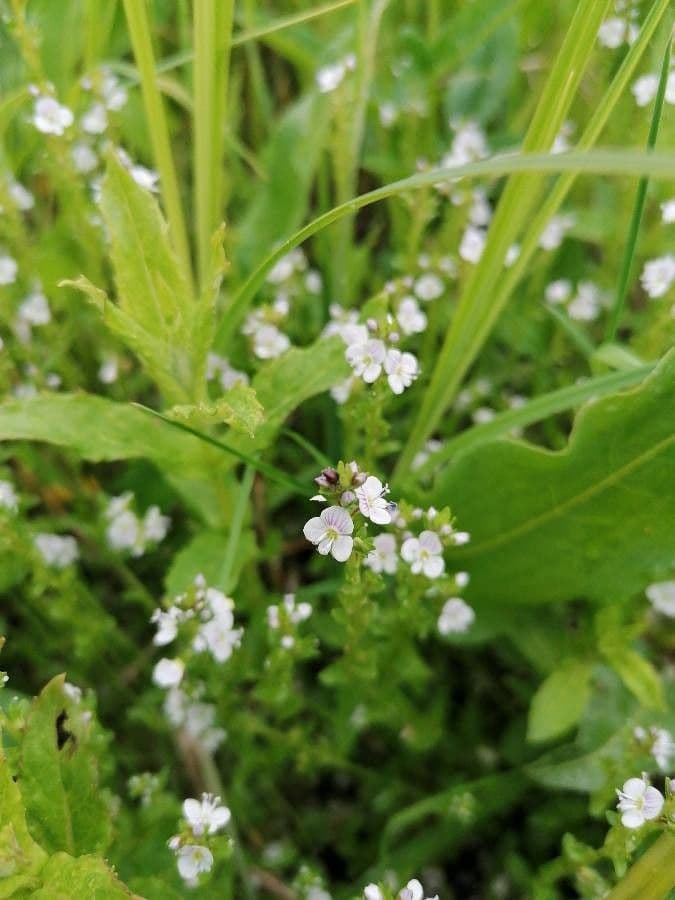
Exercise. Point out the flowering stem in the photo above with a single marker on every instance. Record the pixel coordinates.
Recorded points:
(236, 524)
(139, 31)
(652, 876)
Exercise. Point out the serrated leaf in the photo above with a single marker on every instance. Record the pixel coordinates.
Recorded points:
(591, 521)
(560, 701)
(58, 776)
(20, 856)
(66, 878)
(238, 408)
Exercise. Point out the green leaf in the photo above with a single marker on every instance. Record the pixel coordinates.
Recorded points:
(205, 554)
(560, 701)
(286, 382)
(593, 520)
(20, 857)
(58, 776)
(637, 673)
(238, 408)
(65, 878)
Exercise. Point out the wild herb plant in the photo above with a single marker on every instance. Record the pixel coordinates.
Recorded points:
(338, 441)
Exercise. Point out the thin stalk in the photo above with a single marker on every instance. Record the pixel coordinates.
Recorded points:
(212, 25)
(252, 34)
(638, 208)
(600, 162)
(576, 334)
(139, 31)
(236, 525)
(652, 876)
(259, 465)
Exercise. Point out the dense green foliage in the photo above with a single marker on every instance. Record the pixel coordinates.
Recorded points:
(241, 246)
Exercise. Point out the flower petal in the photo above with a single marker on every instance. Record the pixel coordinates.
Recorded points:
(342, 548)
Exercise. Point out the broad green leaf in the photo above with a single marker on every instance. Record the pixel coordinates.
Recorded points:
(66, 808)
(205, 554)
(560, 701)
(66, 878)
(100, 429)
(20, 857)
(594, 520)
(238, 408)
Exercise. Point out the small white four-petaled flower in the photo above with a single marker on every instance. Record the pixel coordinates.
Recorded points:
(331, 533)
(639, 802)
(206, 816)
(372, 503)
(424, 554)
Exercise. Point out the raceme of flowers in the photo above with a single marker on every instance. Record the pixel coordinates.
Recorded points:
(126, 532)
(203, 820)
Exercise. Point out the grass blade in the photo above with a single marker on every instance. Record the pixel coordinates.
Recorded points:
(274, 474)
(139, 31)
(638, 209)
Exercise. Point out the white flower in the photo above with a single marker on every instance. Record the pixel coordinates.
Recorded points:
(168, 673)
(331, 533)
(114, 94)
(56, 550)
(414, 891)
(554, 232)
(193, 859)
(586, 305)
(366, 359)
(410, 317)
(8, 496)
(639, 802)
(662, 748)
(481, 211)
(21, 196)
(384, 557)
(313, 282)
(424, 554)
(144, 177)
(269, 342)
(35, 309)
(658, 275)
(662, 597)
(108, 370)
(612, 32)
(372, 503)
(456, 616)
(472, 244)
(83, 157)
(644, 89)
(205, 816)
(668, 212)
(372, 892)
(429, 286)
(340, 392)
(72, 691)
(155, 524)
(50, 117)
(558, 291)
(468, 144)
(95, 120)
(329, 77)
(219, 637)
(483, 415)
(167, 622)
(124, 532)
(401, 368)
(8, 269)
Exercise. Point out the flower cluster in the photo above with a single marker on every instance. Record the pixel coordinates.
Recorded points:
(284, 617)
(218, 368)
(661, 595)
(352, 493)
(331, 76)
(208, 617)
(203, 819)
(57, 551)
(127, 532)
(658, 275)
(412, 891)
(583, 304)
(620, 28)
(370, 354)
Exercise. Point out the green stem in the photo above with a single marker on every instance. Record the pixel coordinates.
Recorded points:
(652, 876)
(212, 26)
(638, 208)
(139, 31)
(236, 525)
